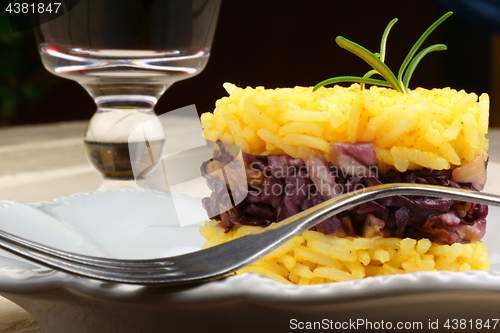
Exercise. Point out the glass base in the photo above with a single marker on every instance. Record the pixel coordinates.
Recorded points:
(118, 140)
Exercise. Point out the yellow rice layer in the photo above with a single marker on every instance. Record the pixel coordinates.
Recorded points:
(435, 129)
(314, 258)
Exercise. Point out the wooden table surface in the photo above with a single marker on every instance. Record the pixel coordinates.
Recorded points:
(44, 162)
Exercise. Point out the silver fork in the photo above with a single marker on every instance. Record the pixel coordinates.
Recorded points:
(223, 259)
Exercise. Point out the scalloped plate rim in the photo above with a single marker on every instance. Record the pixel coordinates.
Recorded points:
(12, 280)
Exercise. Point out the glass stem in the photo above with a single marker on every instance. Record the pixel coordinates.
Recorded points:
(126, 95)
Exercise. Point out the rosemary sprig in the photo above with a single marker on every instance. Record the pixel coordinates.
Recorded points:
(368, 75)
(381, 55)
(353, 79)
(376, 60)
(384, 39)
(419, 43)
(371, 59)
(413, 64)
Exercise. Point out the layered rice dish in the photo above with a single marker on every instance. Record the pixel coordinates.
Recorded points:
(300, 148)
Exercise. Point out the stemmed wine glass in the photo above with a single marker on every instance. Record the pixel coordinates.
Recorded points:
(126, 53)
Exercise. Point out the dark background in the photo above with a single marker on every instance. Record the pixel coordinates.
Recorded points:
(273, 43)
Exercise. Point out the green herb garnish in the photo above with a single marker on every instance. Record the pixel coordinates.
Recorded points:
(376, 60)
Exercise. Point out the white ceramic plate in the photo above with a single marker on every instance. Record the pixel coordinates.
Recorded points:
(142, 224)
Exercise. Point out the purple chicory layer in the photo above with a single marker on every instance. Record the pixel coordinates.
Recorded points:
(280, 186)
